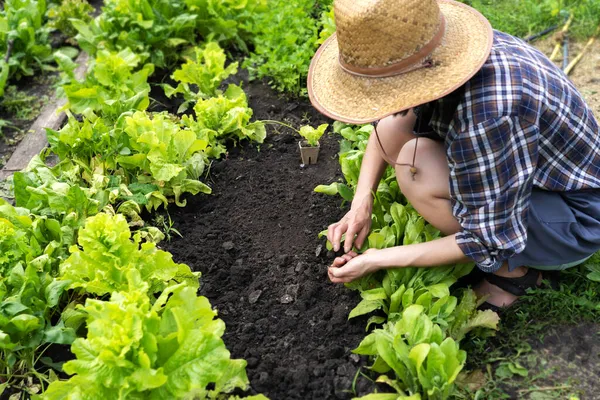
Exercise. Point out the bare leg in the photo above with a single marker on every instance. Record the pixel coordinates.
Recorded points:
(429, 193)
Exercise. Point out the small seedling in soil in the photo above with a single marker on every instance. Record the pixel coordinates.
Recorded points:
(309, 147)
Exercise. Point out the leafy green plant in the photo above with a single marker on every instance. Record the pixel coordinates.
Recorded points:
(60, 15)
(24, 38)
(424, 362)
(204, 74)
(135, 349)
(285, 40)
(328, 24)
(30, 249)
(107, 252)
(171, 156)
(112, 87)
(152, 29)
(227, 21)
(147, 159)
(222, 118)
(312, 135)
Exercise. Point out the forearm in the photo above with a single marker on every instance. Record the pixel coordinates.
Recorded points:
(435, 253)
(371, 170)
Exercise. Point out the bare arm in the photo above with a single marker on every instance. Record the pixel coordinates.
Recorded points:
(444, 251)
(394, 132)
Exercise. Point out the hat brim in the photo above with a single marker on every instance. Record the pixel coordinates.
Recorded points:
(357, 99)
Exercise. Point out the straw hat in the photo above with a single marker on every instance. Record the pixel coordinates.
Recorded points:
(391, 55)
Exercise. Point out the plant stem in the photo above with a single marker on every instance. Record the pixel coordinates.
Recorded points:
(546, 388)
(273, 122)
(9, 48)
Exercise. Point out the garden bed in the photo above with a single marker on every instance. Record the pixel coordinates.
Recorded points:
(264, 269)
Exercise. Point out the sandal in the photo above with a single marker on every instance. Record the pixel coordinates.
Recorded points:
(518, 286)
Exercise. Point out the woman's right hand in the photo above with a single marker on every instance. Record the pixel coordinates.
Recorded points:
(356, 222)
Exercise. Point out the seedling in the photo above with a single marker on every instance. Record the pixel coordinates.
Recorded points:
(309, 147)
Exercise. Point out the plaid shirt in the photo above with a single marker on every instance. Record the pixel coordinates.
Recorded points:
(518, 123)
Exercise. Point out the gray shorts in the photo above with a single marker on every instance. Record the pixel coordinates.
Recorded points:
(563, 230)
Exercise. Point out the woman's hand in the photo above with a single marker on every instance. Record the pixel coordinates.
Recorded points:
(357, 222)
(350, 266)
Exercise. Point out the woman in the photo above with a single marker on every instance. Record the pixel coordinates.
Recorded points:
(491, 143)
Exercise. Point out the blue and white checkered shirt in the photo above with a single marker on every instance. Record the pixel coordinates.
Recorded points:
(518, 123)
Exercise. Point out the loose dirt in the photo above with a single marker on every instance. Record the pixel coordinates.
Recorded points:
(264, 268)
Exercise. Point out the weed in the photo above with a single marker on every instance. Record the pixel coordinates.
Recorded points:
(166, 224)
(20, 104)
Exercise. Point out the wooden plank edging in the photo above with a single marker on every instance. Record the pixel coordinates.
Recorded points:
(35, 140)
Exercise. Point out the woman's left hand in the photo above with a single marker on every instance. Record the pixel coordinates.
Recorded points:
(350, 266)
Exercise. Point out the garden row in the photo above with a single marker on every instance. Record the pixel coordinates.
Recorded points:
(80, 266)
(73, 272)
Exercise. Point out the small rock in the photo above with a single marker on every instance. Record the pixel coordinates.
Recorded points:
(292, 290)
(292, 312)
(299, 266)
(355, 358)
(268, 255)
(228, 246)
(252, 362)
(318, 250)
(283, 260)
(344, 370)
(263, 377)
(253, 297)
(286, 299)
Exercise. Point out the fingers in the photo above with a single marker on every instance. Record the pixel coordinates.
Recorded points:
(338, 275)
(352, 228)
(360, 239)
(338, 231)
(330, 230)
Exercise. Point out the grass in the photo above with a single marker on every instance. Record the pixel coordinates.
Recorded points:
(511, 367)
(526, 17)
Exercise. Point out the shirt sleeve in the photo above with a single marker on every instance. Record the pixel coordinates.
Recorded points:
(491, 177)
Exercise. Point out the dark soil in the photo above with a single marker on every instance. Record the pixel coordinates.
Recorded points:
(32, 94)
(264, 268)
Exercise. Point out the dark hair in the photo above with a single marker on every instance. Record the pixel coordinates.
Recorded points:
(402, 113)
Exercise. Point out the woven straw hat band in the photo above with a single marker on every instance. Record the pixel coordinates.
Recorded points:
(380, 38)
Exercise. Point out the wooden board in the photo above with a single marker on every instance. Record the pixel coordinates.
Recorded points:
(35, 139)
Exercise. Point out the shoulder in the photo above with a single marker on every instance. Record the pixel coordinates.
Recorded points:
(504, 85)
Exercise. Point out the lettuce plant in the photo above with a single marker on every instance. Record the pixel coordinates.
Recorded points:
(60, 15)
(113, 86)
(106, 254)
(312, 135)
(143, 158)
(134, 349)
(424, 362)
(153, 29)
(30, 249)
(222, 118)
(227, 21)
(200, 78)
(22, 30)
